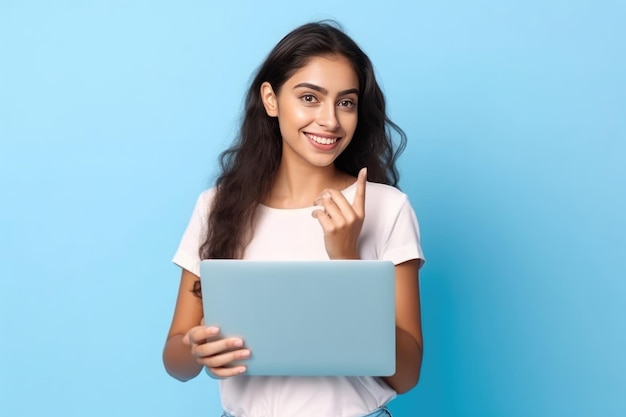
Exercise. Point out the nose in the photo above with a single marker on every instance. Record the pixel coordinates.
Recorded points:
(327, 116)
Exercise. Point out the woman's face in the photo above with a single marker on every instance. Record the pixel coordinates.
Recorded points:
(316, 110)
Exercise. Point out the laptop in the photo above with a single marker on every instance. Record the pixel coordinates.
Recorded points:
(305, 318)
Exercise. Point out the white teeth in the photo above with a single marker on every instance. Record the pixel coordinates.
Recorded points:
(321, 140)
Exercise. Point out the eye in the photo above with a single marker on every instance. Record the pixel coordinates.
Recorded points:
(308, 98)
(349, 104)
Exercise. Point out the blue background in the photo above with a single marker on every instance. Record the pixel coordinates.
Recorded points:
(111, 117)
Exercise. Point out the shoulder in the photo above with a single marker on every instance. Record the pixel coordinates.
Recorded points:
(384, 195)
(384, 190)
(384, 203)
(203, 204)
(208, 194)
(205, 199)
(390, 228)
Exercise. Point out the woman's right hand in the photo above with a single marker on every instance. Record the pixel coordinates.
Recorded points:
(216, 353)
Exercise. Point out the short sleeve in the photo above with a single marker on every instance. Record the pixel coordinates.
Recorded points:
(188, 254)
(403, 236)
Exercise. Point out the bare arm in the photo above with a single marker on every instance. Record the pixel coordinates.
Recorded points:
(409, 343)
(177, 357)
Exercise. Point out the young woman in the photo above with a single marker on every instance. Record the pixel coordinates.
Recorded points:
(314, 142)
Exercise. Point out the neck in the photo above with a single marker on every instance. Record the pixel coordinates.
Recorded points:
(298, 186)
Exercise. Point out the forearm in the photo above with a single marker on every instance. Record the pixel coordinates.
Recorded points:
(408, 363)
(178, 360)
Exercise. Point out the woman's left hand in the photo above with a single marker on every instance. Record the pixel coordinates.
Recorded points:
(342, 221)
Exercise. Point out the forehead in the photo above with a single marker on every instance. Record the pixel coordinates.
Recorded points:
(333, 72)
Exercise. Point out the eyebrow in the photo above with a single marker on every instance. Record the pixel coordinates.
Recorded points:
(325, 91)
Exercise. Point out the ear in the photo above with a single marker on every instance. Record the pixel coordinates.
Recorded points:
(270, 102)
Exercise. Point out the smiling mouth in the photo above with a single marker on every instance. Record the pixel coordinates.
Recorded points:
(321, 139)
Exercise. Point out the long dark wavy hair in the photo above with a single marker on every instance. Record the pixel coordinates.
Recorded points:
(249, 166)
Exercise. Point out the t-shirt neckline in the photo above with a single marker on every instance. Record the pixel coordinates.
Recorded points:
(344, 191)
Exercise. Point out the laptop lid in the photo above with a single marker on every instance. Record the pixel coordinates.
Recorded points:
(305, 318)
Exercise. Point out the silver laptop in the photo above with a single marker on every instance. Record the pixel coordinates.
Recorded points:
(305, 318)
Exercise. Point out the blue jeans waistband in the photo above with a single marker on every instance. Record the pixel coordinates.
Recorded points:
(379, 412)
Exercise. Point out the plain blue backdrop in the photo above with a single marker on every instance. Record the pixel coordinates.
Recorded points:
(112, 114)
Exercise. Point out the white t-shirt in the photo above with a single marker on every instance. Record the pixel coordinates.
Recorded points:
(390, 232)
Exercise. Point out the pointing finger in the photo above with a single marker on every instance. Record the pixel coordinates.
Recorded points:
(359, 198)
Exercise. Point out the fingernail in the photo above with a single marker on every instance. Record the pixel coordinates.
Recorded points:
(213, 330)
(238, 343)
(241, 370)
(326, 195)
(245, 353)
